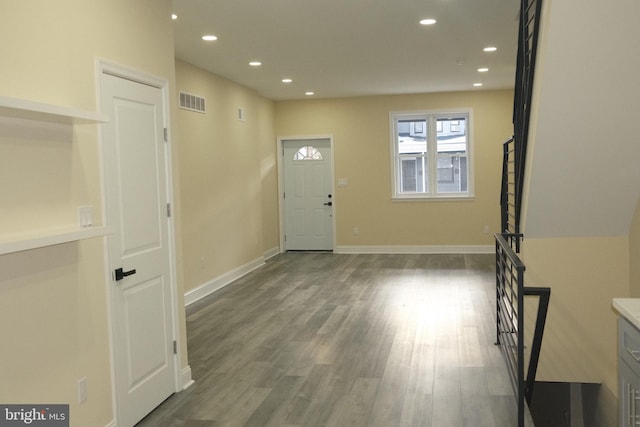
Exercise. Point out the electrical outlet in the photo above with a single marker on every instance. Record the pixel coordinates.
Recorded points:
(486, 229)
(83, 391)
(356, 231)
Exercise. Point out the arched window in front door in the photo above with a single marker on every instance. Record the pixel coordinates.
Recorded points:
(308, 152)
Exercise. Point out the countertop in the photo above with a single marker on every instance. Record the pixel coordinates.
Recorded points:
(629, 308)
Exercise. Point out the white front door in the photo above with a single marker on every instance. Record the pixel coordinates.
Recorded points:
(308, 194)
(139, 254)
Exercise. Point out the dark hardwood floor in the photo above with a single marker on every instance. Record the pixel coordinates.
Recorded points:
(319, 339)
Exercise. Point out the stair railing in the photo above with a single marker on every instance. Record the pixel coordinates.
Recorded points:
(516, 147)
(510, 289)
(510, 328)
(509, 196)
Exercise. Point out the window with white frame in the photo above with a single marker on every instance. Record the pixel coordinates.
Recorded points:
(431, 155)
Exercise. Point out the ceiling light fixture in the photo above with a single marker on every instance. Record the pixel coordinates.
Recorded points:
(287, 80)
(428, 21)
(255, 63)
(477, 84)
(483, 70)
(209, 38)
(490, 49)
(309, 93)
(174, 16)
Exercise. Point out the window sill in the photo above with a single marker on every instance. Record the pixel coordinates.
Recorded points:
(442, 198)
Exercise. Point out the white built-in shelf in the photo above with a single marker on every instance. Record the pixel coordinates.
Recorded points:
(31, 110)
(42, 238)
(41, 112)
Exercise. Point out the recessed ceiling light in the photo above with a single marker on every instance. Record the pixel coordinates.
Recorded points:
(255, 63)
(287, 80)
(309, 93)
(209, 38)
(483, 70)
(174, 16)
(428, 21)
(490, 49)
(477, 84)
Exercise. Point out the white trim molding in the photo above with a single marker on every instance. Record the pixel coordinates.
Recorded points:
(221, 281)
(270, 253)
(469, 249)
(187, 381)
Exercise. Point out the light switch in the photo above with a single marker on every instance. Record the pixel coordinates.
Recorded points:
(85, 216)
(343, 182)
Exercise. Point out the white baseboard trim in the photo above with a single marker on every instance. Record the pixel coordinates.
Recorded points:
(470, 249)
(112, 423)
(187, 381)
(271, 253)
(221, 281)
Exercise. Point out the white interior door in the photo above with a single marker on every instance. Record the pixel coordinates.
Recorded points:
(308, 194)
(141, 302)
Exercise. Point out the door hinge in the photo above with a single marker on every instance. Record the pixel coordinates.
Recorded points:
(284, 195)
(175, 347)
(168, 210)
(166, 135)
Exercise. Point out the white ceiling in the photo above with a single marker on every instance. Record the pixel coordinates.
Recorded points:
(341, 48)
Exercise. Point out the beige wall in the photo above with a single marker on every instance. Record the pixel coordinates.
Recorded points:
(584, 274)
(634, 254)
(360, 127)
(53, 301)
(228, 181)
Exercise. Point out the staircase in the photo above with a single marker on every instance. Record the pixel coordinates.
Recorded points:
(515, 149)
(510, 284)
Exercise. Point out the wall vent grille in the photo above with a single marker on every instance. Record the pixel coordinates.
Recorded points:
(192, 102)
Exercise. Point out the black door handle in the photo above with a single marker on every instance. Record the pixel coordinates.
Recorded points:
(328, 204)
(122, 274)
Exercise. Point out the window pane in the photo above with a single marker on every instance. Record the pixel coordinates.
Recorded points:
(452, 155)
(409, 175)
(412, 136)
(445, 169)
(308, 153)
(444, 173)
(412, 173)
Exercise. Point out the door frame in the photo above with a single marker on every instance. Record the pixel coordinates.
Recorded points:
(281, 204)
(181, 381)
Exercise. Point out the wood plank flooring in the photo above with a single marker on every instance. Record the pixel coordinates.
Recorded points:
(320, 339)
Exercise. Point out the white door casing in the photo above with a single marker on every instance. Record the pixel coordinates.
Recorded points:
(141, 302)
(308, 194)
